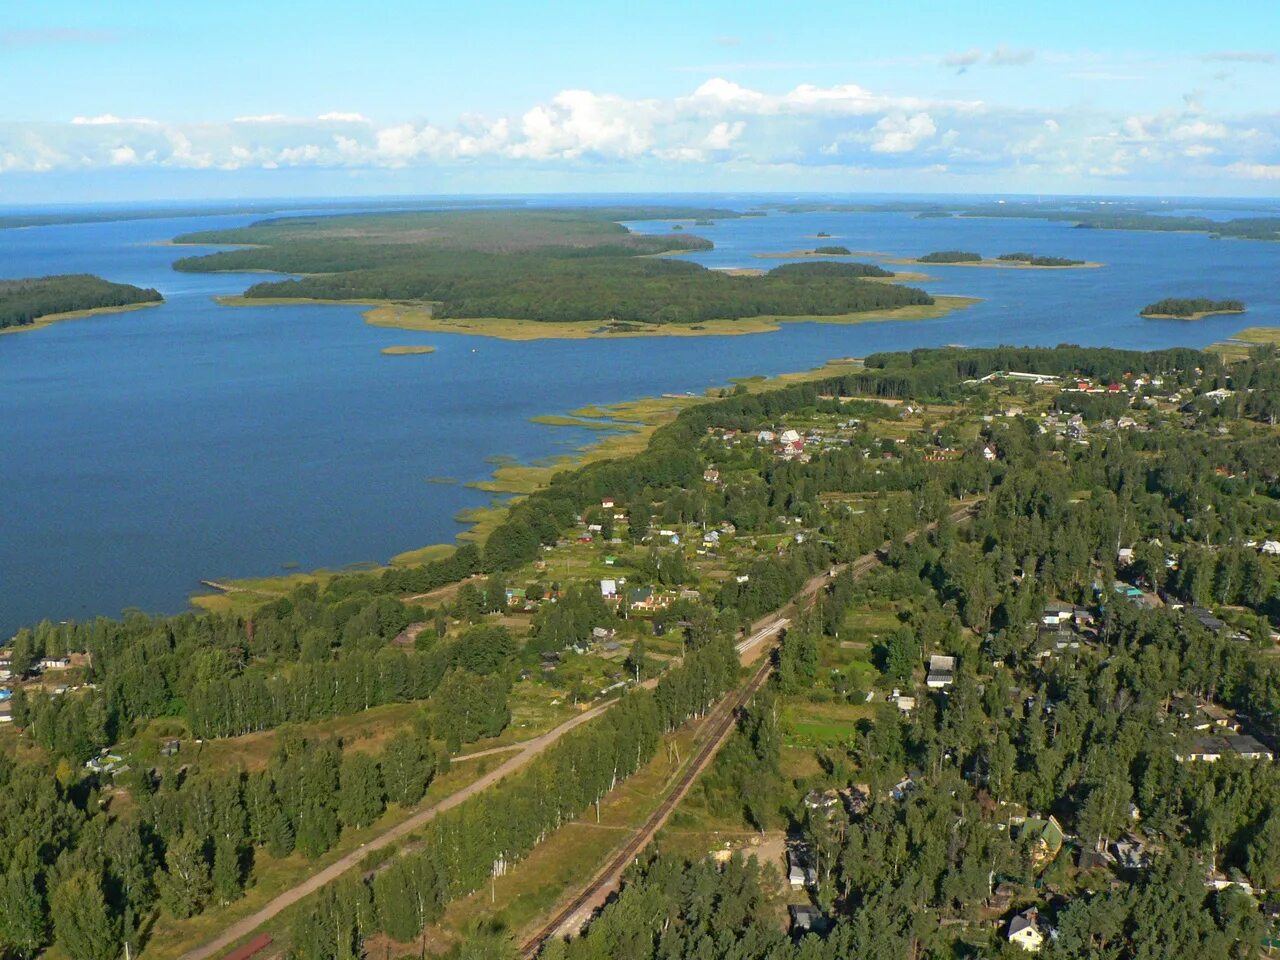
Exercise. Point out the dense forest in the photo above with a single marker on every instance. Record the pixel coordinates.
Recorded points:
(951, 256)
(833, 251)
(1190, 306)
(531, 265)
(23, 302)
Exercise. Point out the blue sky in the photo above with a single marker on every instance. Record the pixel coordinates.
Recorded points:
(182, 99)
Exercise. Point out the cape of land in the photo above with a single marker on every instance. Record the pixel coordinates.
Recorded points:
(1190, 308)
(38, 301)
(574, 266)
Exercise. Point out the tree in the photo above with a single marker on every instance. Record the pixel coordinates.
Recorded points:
(23, 923)
(360, 793)
(185, 884)
(408, 765)
(83, 925)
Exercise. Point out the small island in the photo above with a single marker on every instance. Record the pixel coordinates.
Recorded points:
(1035, 260)
(1190, 308)
(35, 302)
(408, 350)
(951, 256)
(832, 251)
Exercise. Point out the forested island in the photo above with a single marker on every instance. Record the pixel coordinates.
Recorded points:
(36, 301)
(1036, 260)
(1190, 308)
(951, 256)
(573, 266)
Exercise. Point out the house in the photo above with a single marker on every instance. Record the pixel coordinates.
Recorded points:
(766, 436)
(643, 598)
(1124, 556)
(1046, 838)
(711, 475)
(988, 453)
(1213, 749)
(1207, 620)
(606, 503)
(609, 589)
(1024, 931)
(1056, 614)
(822, 801)
(797, 875)
(1270, 547)
(55, 663)
(601, 633)
(806, 919)
(1131, 854)
(941, 672)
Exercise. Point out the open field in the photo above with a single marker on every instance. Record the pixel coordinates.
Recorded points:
(1238, 345)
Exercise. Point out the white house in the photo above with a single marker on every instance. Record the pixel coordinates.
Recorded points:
(609, 589)
(941, 672)
(1271, 547)
(1024, 931)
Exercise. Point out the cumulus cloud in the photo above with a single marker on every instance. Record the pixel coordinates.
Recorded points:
(902, 134)
(720, 124)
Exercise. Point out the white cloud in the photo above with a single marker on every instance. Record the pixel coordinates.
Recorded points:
(337, 116)
(1256, 171)
(111, 120)
(723, 134)
(901, 134)
(123, 156)
(1003, 56)
(263, 118)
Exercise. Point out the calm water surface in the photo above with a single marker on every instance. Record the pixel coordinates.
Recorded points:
(144, 451)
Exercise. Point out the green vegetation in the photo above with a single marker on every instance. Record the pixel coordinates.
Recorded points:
(951, 256)
(24, 302)
(832, 251)
(1036, 260)
(920, 816)
(571, 266)
(1191, 308)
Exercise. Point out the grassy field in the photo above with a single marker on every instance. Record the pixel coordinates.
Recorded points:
(1237, 346)
(419, 317)
(50, 319)
(412, 558)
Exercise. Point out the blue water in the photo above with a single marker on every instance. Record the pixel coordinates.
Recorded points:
(144, 451)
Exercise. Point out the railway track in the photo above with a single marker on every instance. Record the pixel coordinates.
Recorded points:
(722, 721)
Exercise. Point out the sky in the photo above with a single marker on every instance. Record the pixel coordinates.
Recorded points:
(175, 99)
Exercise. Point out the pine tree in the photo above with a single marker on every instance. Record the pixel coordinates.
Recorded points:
(23, 920)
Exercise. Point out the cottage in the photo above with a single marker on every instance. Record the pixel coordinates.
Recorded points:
(55, 663)
(807, 919)
(1213, 749)
(988, 453)
(606, 503)
(711, 475)
(1124, 556)
(609, 589)
(1024, 931)
(941, 672)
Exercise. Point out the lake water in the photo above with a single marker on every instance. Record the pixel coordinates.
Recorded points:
(144, 451)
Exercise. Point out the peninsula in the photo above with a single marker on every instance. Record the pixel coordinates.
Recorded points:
(580, 270)
(1190, 308)
(35, 302)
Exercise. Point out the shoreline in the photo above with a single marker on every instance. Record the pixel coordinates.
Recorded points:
(418, 317)
(50, 319)
(625, 429)
(1198, 315)
(1238, 345)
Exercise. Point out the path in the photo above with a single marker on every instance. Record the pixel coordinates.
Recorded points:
(528, 750)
